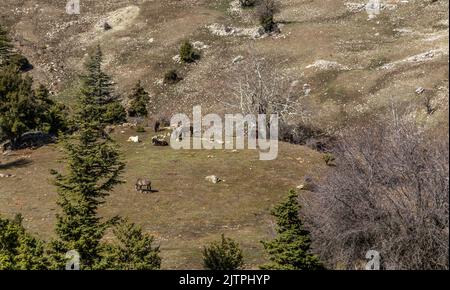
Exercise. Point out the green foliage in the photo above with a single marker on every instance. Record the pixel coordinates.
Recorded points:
(139, 102)
(266, 13)
(98, 101)
(223, 255)
(329, 159)
(171, 77)
(18, 249)
(188, 53)
(140, 129)
(93, 169)
(290, 250)
(23, 109)
(133, 249)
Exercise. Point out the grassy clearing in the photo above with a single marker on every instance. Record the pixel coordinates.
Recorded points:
(186, 212)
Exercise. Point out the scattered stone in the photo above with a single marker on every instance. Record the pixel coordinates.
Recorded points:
(177, 58)
(223, 30)
(6, 175)
(159, 141)
(306, 89)
(134, 139)
(327, 65)
(238, 59)
(200, 45)
(420, 90)
(212, 178)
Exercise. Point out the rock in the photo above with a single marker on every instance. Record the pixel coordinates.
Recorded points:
(30, 140)
(159, 141)
(327, 65)
(306, 89)
(134, 139)
(200, 45)
(5, 175)
(177, 58)
(212, 178)
(420, 90)
(238, 59)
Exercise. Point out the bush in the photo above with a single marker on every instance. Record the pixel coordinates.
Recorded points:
(140, 129)
(115, 113)
(188, 53)
(171, 77)
(389, 193)
(329, 159)
(223, 255)
(139, 102)
(266, 13)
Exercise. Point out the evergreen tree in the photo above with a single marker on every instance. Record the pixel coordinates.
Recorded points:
(133, 250)
(97, 90)
(223, 255)
(139, 102)
(93, 169)
(17, 110)
(290, 250)
(18, 249)
(23, 109)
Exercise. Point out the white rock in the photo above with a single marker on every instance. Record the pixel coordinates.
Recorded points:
(134, 139)
(419, 90)
(212, 178)
(237, 59)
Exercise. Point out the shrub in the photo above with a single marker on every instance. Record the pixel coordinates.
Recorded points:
(266, 13)
(223, 255)
(171, 77)
(188, 53)
(140, 129)
(329, 159)
(115, 113)
(139, 102)
(389, 193)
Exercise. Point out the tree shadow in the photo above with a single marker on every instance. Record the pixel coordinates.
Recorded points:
(21, 162)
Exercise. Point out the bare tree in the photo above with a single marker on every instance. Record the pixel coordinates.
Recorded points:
(390, 193)
(266, 14)
(257, 87)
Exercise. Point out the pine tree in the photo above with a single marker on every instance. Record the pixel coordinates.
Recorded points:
(223, 255)
(18, 249)
(133, 249)
(97, 93)
(291, 249)
(93, 169)
(23, 109)
(139, 102)
(17, 110)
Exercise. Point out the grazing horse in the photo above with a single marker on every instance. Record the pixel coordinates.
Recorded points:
(143, 185)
